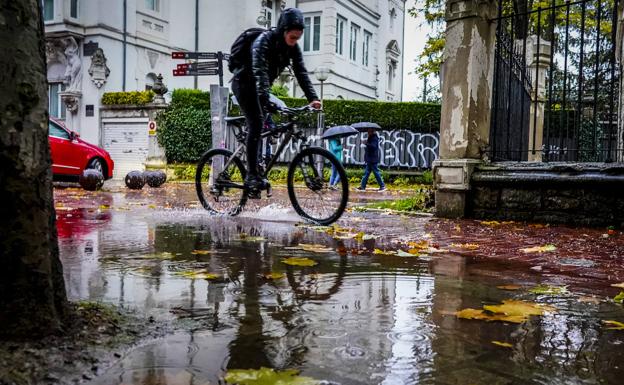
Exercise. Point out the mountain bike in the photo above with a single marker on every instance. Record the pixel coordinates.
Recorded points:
(220, 175)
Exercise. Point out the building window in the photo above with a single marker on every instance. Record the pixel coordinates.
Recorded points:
(355, 30)
(153, 5)
(48, 10)
(312, 33)
(366, 47)
(392, 65)
(340, 26)
(268, 13)
(56, 107)
(73, 9)
(393, 16)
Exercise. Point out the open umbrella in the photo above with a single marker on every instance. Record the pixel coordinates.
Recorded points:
(339, 132)
(364, 126)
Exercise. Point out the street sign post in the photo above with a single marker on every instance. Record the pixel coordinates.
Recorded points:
(209, 68)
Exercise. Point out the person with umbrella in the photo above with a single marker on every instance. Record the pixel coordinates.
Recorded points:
(371, 157)
(334, 135)
(335, 146)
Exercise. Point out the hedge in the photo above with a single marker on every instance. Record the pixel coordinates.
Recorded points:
(184, 128)
(413, 116)
(184, 132)
(133, 97)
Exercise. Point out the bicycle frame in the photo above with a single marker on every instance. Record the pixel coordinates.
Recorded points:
(290, 130)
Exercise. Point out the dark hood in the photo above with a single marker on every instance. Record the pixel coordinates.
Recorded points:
(290, 19)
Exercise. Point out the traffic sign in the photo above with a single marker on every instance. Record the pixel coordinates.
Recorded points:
(194, 55)
(200, 65)
(195, 72)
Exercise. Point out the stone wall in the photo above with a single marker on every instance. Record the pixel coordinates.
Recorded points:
(577, 194)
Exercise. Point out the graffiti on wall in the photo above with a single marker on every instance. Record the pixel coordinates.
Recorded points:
(398, 148)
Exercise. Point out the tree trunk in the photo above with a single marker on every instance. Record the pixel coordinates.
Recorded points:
(32, 291)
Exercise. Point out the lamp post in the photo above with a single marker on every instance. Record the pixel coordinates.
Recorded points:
(321, 73)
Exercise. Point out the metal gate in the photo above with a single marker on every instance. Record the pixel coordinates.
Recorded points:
(556, 81)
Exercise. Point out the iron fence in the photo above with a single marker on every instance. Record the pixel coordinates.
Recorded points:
(556, 81)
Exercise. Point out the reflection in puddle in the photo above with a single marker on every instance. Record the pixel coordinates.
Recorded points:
(351, 319)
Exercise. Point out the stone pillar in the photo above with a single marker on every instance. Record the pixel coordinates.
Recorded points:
(538, 66)
(155, 154)
(467, 74)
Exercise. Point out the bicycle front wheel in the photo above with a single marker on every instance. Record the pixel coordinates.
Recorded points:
(219, 181)
(309, 190)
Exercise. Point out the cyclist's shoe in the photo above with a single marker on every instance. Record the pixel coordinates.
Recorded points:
(254, 184)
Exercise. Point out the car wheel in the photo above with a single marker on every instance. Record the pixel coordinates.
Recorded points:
(97, 165)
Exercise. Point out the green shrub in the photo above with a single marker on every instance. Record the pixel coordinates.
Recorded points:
(184, 97)
(132, 97)
(184, 133)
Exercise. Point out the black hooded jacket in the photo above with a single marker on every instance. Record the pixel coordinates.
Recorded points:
(270, 55)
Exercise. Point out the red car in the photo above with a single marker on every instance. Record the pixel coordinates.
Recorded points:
(72, 155)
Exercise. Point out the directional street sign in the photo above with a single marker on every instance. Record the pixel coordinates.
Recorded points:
(194, 55)
(207, 68)
(198, 72)
(200, 65)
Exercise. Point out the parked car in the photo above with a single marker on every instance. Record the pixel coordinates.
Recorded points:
(72, 155)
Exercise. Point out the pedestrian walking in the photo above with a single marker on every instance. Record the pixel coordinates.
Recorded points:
(335, 146)
(371, 157)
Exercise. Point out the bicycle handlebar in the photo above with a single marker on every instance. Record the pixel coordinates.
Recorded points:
(297, 110)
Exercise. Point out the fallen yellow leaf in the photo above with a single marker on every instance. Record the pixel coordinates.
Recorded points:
(468, 246)
(539, 249)
(482, 315)
(490, 223)
(614, 325)
(620, 285)
(384, 252)
(296, 261)
(503, 344)
(509, 311)
(519, 308)
(274, 276)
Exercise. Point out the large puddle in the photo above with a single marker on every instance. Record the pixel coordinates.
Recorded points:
(362, 318)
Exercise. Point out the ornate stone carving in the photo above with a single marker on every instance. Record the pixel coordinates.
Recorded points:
(71, 100)
(73, 71)
(98, 69)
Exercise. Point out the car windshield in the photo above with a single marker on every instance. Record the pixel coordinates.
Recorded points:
(57, 131)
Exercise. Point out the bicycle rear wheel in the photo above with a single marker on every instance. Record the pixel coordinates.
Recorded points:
(308, 186)
(219, 181)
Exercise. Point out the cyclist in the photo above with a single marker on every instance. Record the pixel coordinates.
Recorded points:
(271, 52)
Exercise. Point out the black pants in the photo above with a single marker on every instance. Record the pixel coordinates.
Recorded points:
(244, 88)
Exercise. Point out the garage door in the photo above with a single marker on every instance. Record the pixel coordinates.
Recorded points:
(127, 142)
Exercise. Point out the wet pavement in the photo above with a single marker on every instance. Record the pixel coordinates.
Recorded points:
(364, 314)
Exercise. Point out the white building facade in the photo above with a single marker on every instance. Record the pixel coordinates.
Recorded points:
(98, 46)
